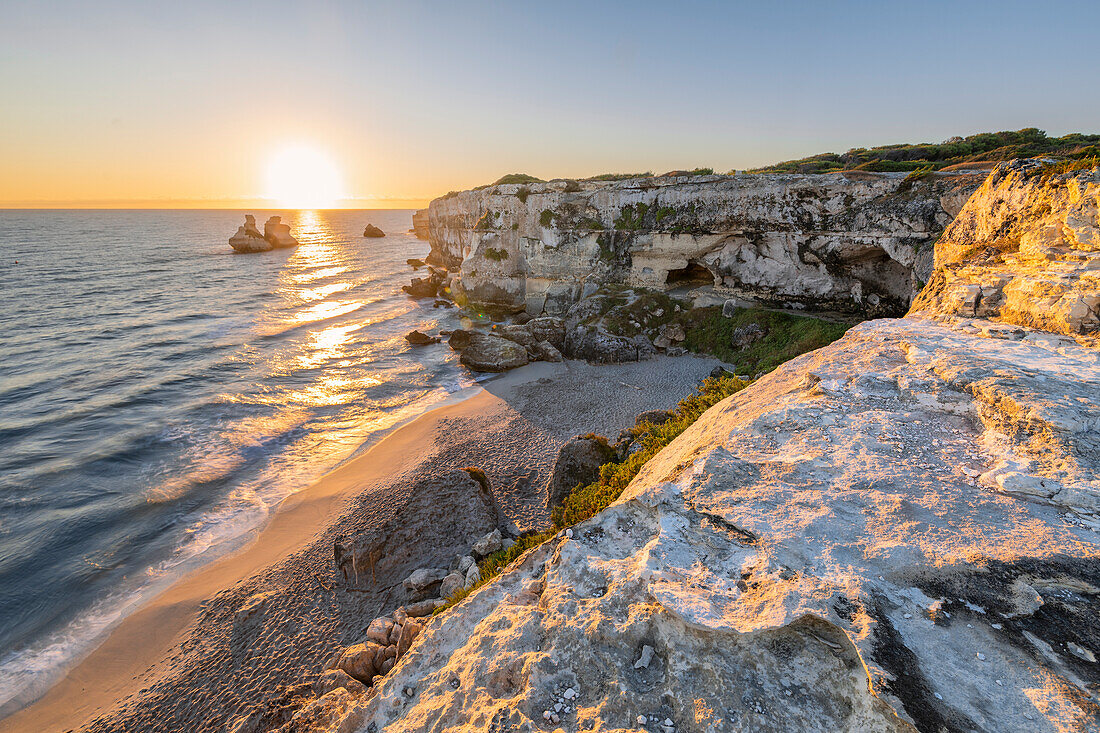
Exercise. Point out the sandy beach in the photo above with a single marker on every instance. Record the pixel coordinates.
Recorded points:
(182, 663)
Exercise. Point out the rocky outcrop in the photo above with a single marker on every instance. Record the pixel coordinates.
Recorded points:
(897, 532)
(420, 224)
(854, 242)
(373, 232)
(1025, 250)
(489, 353)
(275, 235)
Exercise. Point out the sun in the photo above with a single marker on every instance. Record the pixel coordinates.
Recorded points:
(303, 177)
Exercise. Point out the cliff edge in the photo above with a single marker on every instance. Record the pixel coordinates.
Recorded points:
(898, 532)
(854, 242)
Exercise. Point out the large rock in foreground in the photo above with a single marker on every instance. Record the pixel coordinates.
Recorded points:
(898, 532)
(1025, 249)
(488, 353)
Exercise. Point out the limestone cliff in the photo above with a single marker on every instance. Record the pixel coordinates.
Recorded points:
(853, 242)
(1025, 250)
(898, 532)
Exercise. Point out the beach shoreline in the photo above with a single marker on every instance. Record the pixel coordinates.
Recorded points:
(511, 426)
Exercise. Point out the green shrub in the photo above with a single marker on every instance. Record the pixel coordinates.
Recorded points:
(631, 217)
(572, 187)
(619, 176)
(487, 221)
(522, 194)
(546, 218)
(709, 332)
(587, 501)
(516, 178)
(496, 254)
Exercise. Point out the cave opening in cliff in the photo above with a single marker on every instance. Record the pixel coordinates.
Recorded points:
(693, 274)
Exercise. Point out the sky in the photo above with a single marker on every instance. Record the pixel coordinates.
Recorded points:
(184, 104)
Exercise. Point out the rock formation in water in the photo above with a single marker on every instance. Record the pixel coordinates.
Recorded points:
(275, 235)
(373, 232)
(900, 531)
(420, 224)
(855, 242)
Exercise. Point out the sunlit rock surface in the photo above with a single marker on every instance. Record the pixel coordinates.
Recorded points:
(856, 242)
(248, 238)
(1026, 250)
(899, 531)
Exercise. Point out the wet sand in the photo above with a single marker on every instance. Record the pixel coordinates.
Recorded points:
(179, 662)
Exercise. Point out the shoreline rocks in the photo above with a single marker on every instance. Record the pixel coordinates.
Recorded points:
(373, 232)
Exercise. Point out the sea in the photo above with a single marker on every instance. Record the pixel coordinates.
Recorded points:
(161, 394)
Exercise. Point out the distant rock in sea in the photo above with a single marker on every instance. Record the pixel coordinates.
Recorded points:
(373, 231)
(275, 235)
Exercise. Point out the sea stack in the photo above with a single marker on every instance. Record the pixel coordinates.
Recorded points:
(248, 238)
(278, 233)
(373, 231)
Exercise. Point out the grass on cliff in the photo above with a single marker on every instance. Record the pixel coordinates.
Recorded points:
(786, 336)
(586, 501)
(985, 146)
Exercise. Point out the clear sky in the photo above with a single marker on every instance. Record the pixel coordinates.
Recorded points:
(185, 103)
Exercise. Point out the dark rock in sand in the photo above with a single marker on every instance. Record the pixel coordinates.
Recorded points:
(548, 328)
(546, 351)
(373, 232)
(459, 339)
(488, 353)
(578, 464)
(416, 338)
(599, 347)
(653, 417)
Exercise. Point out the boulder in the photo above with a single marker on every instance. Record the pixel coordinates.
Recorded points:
(422, 287)
(459, 339)
(578, 463)
(473, 576)
(452, 583)
(423, 583)
(599, 347)
(519, 334)
(547, 352)
(379, 630)
(668, 335)
(373, 232)
(488, 544)
(358, 661)
(745, 336)
(548, 328)
(249, 239)
(415, 263)
(424, 608)
(653, 417)
(416, 338)
(488, 353)
(333, 679)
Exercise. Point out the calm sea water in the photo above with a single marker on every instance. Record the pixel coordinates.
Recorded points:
(159, 395)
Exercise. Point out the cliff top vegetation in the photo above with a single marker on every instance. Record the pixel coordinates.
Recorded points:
(986, 146)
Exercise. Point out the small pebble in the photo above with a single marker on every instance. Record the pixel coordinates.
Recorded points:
(570, 694)
(557, 707)
(554, 718)
(908, 615)
(981, 657)
(641, 720)
(999, 682)
(569, 533)
(546, 715)
(938, 695)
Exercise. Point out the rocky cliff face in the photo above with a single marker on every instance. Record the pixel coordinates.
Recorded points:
(852, 242)
(898, 532)
(1025, 250)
